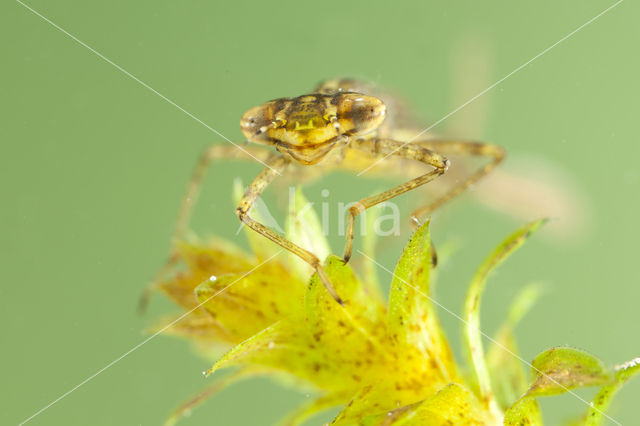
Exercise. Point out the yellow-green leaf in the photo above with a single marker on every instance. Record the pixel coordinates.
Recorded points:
(352, 335)
(215, 257)
(197, 325)
(331, 346)
(323, 311)
(453, 405)
(244, 304)
(255, 349)
(525, 412)
(601, 403)
(412, 318)
(472, 309)
(201, 262)
(558, 370)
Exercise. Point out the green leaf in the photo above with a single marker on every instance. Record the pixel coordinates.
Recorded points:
(412, 318)
(524, 412)
(453, 405)
(472, 308)
(561, 369)
(508, 374)
(603, 399)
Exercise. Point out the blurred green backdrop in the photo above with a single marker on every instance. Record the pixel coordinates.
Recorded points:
(94, 165)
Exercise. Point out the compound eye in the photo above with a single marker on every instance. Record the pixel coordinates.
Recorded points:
(252, 121)
(366, 113)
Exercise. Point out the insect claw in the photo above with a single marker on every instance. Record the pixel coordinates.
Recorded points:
(327, 284)
(417, 223)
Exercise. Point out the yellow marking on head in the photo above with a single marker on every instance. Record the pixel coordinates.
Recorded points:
(308, 126)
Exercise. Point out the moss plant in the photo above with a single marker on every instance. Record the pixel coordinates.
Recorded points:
(383, 363)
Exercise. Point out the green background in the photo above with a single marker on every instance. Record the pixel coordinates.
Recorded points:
(94, 164)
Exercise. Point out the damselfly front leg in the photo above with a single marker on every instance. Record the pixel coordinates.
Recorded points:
(275, 167)
(387, 147)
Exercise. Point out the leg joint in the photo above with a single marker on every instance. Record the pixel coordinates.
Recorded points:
(356, 209)
(241, 213)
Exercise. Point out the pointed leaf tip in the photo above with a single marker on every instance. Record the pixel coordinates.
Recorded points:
(524, 412)
(561, 369)
(601, 402)
(452, 405)
(472, 306)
